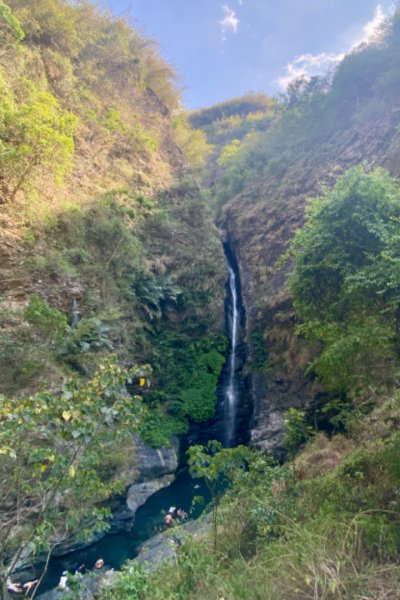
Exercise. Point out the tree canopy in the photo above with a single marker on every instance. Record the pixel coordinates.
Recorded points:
(346, 278)
(50, 460)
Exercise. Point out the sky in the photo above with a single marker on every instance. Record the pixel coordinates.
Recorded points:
(225, 48)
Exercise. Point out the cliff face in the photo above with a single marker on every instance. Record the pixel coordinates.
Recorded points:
(258, 223)
(95, 182)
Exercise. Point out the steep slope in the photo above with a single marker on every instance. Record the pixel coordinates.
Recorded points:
(94, 223)
(109, 257)
(321, 128)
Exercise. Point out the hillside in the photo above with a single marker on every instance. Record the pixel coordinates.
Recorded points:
(93, 215)
(114, 202)
(310, 206)
(320, 129)
(109, 261)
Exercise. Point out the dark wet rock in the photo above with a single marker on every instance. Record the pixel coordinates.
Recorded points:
(155, 462)
(140, 492)
(162, 547)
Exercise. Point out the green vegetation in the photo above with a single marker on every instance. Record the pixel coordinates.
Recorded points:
(324, 524)
(107, 249)
(90, 143)
(102, 215)
(345, 283)
(332, 532)
(36, 138)
(296, 432)
(258, 138)
(84, 96)
(55, 468)
(217, 466)
(49, 321)
(9, 23)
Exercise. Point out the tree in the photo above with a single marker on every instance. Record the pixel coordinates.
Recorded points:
(217, 465)
(9, 23)
(35, 137)
(192, 142)
(296, 433)
(50, 459)
(345, 282)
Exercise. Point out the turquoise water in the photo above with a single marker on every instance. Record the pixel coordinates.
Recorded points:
(116, 549)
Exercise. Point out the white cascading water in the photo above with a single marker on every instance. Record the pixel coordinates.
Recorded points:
(231, 391)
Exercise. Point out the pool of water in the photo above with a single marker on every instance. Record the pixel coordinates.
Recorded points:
(184, 492)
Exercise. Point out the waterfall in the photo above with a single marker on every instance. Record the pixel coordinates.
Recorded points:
(231, 391)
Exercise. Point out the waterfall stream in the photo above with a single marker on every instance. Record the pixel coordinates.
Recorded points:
(231, 392)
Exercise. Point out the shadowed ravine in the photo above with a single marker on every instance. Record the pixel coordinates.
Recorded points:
(229, 426)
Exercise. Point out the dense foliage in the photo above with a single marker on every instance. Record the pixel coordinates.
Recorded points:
(346, 278)
(90, 138)
(50, 464)
(104, 252)
(331, 532)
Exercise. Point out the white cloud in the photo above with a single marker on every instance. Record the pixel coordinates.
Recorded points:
(308, 65)
(371, 29)
(230, 21)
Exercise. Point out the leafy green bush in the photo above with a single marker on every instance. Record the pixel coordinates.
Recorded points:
(345, 282)
(10, 22)
(36, 136)
(49, 321)
(199, 400)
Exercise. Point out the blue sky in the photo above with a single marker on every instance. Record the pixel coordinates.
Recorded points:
(222, 49)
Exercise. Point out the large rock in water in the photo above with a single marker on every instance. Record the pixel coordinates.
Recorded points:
(155, 462)
(140, 492)
(162, 547)
(156, 471)
(156, 468)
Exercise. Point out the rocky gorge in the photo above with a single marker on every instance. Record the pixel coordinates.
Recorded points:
(259, 223)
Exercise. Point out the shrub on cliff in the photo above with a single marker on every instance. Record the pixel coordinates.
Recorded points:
(346, 278)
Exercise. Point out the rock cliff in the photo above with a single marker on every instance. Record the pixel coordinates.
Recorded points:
(258, 224)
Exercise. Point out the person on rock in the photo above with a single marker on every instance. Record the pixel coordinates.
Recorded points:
(181, 514)
(62, 584)
(169, 519)
(14, 588)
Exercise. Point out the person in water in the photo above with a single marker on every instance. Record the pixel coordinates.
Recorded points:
(174, 514)
(28, 585)
(172, 511)
(169, 519)
(99, 564)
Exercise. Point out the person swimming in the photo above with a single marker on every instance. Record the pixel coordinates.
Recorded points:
(99, 564)
(169, 519)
